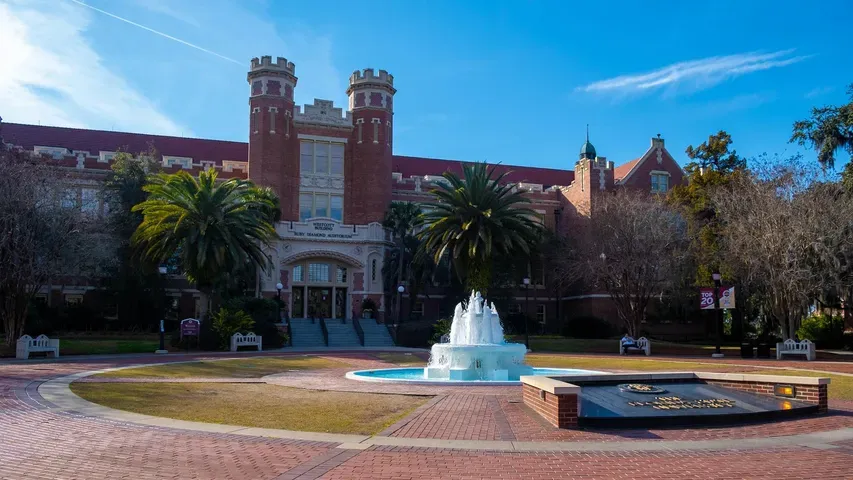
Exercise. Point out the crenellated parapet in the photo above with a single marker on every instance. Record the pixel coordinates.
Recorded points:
(275, 79)
(369, 90)
(323, 112)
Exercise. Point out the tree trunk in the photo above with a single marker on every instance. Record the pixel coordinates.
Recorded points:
(479, 277)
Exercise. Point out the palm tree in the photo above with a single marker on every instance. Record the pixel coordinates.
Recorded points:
(475, 218)
(400, 219)
(215, 228)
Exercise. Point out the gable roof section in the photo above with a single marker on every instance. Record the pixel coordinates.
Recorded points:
(419, 166)
(622, 171)
(94, 141)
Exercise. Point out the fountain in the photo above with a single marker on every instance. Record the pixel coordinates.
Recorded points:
(476, 353)
(477, 349)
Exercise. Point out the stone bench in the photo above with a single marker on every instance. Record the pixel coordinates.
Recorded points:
(42, 343)
(792, 347)
(641, 345)
(247, 340)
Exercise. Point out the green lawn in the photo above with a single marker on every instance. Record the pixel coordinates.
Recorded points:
(554, 343)
(256, 405)
(237, 368)
(402, 359)
(84, 346)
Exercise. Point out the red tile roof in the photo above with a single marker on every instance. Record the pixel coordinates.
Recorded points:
(198, 149)
(94, 141)
(409, 166)
(622, 170)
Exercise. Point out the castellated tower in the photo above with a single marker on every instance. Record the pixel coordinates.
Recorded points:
(273, 144)
(368, 176)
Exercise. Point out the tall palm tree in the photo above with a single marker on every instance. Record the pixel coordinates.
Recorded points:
(400, 218)
(215, 227)
(476, 217)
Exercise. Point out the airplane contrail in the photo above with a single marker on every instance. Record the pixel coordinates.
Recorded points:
(78, 2)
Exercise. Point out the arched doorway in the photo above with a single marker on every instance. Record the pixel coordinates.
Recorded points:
(319, 288)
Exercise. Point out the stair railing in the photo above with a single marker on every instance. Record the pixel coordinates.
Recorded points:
(357, 324)
(325, 331)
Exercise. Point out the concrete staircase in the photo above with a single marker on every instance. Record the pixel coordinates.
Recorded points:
(307, 334)
(342, 334)
(375, 334)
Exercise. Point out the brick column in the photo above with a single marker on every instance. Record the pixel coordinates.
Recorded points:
(559, 409)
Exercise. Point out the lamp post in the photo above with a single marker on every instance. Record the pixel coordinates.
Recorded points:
(526, 282)
(717, 315)
(400, 290)
(279, 287)
(163, 270)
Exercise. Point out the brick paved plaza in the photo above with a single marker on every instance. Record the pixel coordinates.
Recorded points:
(480, 432)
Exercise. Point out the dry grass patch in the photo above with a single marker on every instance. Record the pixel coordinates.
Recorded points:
(237, 368)
(256, 405)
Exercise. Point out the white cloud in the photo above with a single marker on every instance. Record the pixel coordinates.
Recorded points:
(695, 75)
(819, 91)
(49, 73)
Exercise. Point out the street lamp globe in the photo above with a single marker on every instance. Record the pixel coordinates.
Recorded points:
(279, 286)
(525, 281)
(716, 276)
(401, 289)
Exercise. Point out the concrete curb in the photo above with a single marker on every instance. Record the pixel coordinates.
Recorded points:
(58, 392)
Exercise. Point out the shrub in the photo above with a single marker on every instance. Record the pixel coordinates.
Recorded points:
(441, 328)
(228, 322)
(514, 324)
(265, 313)
(824, 330)
(368, 305)
(587, 327)
(414, 334)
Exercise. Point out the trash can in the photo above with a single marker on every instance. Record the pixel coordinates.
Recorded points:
(763, 350)
(746, 350)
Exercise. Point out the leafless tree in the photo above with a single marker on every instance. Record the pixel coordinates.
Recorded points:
(789, 234)
(632, 245)
(43, 236)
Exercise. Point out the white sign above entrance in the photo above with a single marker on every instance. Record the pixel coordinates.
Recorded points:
(331, 230)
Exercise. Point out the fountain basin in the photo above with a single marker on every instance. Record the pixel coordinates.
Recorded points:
(418, 376)
(497, 362)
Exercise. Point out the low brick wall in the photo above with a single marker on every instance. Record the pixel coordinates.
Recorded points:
(815, 394)
(560, 410)
(558, 401)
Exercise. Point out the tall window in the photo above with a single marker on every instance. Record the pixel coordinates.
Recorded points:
(540, 313)
(660, 183)
(298, 275)
(321, 158)
(321, 205)
(89, 200)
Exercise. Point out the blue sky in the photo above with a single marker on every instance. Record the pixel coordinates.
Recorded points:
(512, 82)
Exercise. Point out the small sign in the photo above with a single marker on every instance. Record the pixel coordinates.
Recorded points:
(190, 327)
(727, 298)
(706, 299)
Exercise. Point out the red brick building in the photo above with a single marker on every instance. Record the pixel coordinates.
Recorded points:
(336, 174)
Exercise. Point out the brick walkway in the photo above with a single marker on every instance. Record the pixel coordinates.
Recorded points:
(39, 441)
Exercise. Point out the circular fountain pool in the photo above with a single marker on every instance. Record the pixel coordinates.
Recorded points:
(416, 375)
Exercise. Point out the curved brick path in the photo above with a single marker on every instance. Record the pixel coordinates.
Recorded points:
(39, 440)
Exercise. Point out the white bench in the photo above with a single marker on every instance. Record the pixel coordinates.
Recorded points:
(28, 344)
(641, 345)
(792, 347)
(247, 340)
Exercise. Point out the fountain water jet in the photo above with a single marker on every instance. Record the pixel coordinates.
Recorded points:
(477, 349)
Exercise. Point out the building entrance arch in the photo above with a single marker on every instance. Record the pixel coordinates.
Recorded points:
(319, 287)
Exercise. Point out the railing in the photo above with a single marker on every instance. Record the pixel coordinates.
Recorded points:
(289, 330)
(358, 330)
(325, 331)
